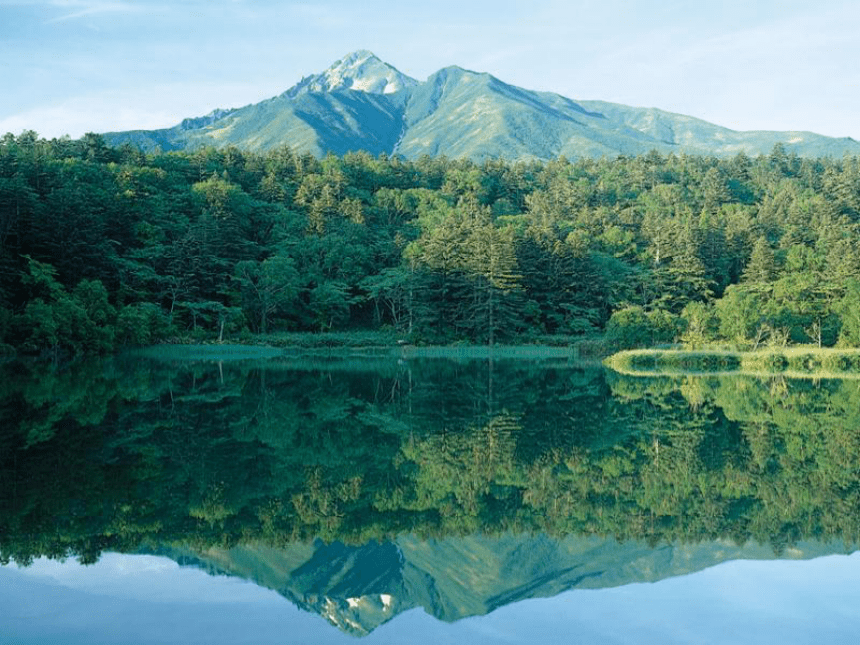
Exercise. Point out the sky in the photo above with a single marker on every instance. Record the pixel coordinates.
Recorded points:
(76, 66)
(151, 601)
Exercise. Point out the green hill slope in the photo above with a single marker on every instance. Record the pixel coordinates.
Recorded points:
(359, 588)
(362, 103)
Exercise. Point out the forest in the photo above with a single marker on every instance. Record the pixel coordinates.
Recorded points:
(103, 247)
(112, 454)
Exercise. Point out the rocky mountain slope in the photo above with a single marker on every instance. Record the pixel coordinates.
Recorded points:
(358, 588)
(363, 103)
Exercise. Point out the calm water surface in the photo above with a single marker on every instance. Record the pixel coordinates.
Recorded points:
(503, 501)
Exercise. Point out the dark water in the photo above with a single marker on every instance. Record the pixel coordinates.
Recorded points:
(298, 500)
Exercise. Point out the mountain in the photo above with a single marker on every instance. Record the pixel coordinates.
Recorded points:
(358, 588)
(360, 71)
(363, 103)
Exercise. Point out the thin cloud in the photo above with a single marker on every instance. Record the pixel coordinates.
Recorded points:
(83, 8)
(147, 107)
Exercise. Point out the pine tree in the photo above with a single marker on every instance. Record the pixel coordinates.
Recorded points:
(761, 267)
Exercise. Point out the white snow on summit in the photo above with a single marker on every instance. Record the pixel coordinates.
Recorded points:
(361, 71)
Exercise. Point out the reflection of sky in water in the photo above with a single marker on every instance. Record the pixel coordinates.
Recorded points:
(151, 600)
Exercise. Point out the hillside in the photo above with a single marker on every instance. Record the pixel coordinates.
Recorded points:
(363, 103)
(358, 588)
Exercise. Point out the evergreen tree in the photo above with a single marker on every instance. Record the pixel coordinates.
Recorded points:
(761, 267)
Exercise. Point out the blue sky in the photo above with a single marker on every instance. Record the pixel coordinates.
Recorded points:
(150, 600)
(72, 66)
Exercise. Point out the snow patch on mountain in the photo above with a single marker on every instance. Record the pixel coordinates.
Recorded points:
(361, 71)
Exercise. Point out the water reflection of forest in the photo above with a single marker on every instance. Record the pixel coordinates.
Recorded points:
(112, 455)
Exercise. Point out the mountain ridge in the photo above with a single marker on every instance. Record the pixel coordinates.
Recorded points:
(363, 103)
(359, 588)
(360, 70)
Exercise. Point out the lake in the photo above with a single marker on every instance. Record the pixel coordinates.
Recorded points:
(441, 498)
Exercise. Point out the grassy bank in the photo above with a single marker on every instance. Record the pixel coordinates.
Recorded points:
(367, 345)
(798, 361)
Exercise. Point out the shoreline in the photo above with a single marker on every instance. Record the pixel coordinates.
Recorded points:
(227, 352)
(792, 362)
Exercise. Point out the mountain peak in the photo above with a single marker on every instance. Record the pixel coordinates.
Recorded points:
(359, 55)
(361, 70)
(362, 103)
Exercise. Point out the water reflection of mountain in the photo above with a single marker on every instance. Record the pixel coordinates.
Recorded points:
(358, 588)
(206, 459)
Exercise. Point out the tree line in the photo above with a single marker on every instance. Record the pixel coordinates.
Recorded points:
(101, 247)
(112, 454)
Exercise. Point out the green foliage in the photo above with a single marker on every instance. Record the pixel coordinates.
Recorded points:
(701, 324)
(740, 315)
(233, 449)
(142, 323)
(848, 309)
(100, 248)
(634, 327)
(761, 267)
(329, 304)
(268, 288)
